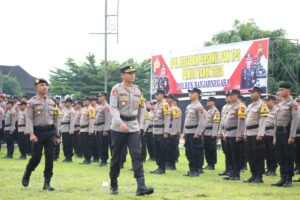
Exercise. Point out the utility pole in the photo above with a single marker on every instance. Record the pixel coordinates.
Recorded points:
(106, 16)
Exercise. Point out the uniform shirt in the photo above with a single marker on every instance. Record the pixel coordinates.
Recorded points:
(127, 102)
(16, 108)
(235, 120)
(87, 120)
(175, 120)
(10, 121)
(22, 121)
(77, 119)
(224, 112)
(2, 118)
(270, 123)
(287, 115)
(195, 119)
(103, 118)
(161, 118)
(213, 121)
(67, 124)
(256, 115)
(41, 112)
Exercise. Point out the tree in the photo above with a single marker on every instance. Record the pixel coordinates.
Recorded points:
(87, 78)
(283, 63)
(11, 85)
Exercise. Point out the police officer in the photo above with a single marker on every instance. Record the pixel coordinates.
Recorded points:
(126, 101)
(87, 129)
(102, 127)
(285, 132)
(248, 79)
(221, 133)
(163, 80)
(95, 146)
(67, 126)
(57, 110)
(256, 116)
(194, 126)
(149, 133)
(174, 131)
(22, 136)
(269, 136)
(9, 128)
(42, 128)
(161, 131)
(144, 131)
(234, 125)
(210, 133)
(77, 136)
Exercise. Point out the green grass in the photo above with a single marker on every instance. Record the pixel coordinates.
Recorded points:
(74, 181)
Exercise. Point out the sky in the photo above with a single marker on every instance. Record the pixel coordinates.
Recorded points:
(40, 35)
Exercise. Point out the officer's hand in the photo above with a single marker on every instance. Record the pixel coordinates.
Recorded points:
(123, 127)
(57, 141)
(33, 138)
(196, 136)
(239, 139)
(259, 138)
(166, 135)
(105, 133)
(291, 141)
(274, 141)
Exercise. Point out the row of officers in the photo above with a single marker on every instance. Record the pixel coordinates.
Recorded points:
(265, 129)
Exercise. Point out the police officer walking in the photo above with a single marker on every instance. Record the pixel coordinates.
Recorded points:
(285, 132)
(42, 128)
(194, 126)
(67, 126)
(161, 126)
(256, 116)
(210, 134)
(126, 101)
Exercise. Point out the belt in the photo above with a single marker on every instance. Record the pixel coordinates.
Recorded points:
(252, 127)
(65, 123)
(231, 128)
(298, 132)
(44, 128)
(76, 126)
(209, 128)
(283, 128)
(269, 128)
(21, 125)
(191, 127)
(150, 126)
(85, 126)
(127, 119)
(170, 126)
(159, 126)
(7, 125)
(99, 124)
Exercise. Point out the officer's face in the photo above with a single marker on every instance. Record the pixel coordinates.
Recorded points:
(283, 92)
(23, 107)
(270, 103)
(228, 99)
(42, 88)
(159, 97)
(94, 102)
(128, 77)
(86, 103)
(234, 97)
(194, 96)
(254, 95)
(68, 104)
(210, 103)
(101, 99)
(9, 106)
(169, 101)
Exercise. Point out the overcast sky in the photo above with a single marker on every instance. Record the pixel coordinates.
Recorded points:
(40, 34)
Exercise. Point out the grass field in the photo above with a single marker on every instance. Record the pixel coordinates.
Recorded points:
(74, 181)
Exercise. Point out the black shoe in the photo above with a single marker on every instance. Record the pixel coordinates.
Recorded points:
(297, 180)
(187, 174)
(210, 167)
(114, 186)
(8, 157)
(297, 171)
(234, 178)
(85, 162)
(227, 177)
(26, 178)
(47, 186)
(280, 183)
(67, 160)
(223, 173)
(257, 180)
(172, 167)
(142, 189)
(158, 171)
(194, 174)
(271, 173)
(200, 171)
(95, 160)
(102, 164)
(22, 158)
(249, 180)
(288, 183)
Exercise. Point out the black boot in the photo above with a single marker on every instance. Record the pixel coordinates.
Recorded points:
(47, 185)
(288, 182)
(26, 178)
(258, 179)
(249, 180)
(281, 182)
(142, 189)
(114, 186)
